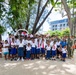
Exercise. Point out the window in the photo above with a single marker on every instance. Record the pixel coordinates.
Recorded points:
(55, 25)
(63, 25)
(53, 29)
(67, 24)
(60, 25)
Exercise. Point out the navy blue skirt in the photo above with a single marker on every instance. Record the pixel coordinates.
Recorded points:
(28, 54)
(20, 51)
(38, 51)
(48, 54)
(63, 55)
(42, 51)
(13, 51)
(54, 53)
(33, 50)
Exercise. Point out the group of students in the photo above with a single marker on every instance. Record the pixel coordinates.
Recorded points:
(34, 47)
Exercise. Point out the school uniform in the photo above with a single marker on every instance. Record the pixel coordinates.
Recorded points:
(33, 49)
(27, 41)
(43, 44)
(54, 47)
(63, 53)
(51, 44)
(17, 42)
(9, 42)
(48, 52)
(20, 49)
(58, 46)
(38, 48)
(5, 50)
(13, 49)
(28, 52)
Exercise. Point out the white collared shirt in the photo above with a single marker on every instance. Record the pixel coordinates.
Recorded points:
(64, 50)
(33, 44)
(28, 48)
(54, 47)
(48, 48)
(5, 49)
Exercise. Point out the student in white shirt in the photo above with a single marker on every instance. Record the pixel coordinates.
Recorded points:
(43, 44)
(20, 50)
(33, 49)
(5, 49)
(48, 50)
(54, 52)
(13, 51)
(28, 51)
(64, 51)
(58, 48)
(38, 48)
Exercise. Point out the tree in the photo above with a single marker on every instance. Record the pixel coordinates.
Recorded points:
(69, 6)
(20, 13)
(64, 2)
(59, 33)
(66, 32)
(2, 30)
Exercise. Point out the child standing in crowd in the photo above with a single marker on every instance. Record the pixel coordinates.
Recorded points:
(54, 52)
(20, 51)
(33, 49)
(58, 48)
(64, 51)
(43, 44)
(5, 49)
(28, 51)
(13, 50)
(48, 50)
(38, 48)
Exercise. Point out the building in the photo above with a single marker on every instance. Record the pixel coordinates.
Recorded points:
(59, 24)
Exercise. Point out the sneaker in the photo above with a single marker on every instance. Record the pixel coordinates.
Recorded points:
(11, 59)
(22, 59)
(18, 59)
(15, 59)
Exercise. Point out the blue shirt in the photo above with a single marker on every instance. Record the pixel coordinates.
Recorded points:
(63, 43)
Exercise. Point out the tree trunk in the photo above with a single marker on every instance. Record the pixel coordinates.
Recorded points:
(39, 15)
(0, 37)
(67, 9)
(68, 14)
(28, 19)
(45, 17)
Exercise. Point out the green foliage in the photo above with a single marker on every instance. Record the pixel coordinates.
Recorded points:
(19, 10)
(64, 32)
(2, 29)
(52, 2)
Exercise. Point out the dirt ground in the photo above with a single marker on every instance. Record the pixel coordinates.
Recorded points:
(38, 67)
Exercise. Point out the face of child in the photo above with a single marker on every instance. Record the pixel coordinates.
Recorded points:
(6, 42)
(28, 44)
